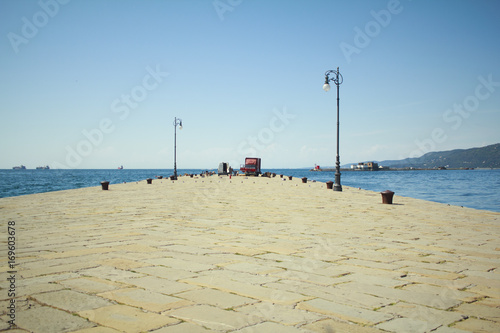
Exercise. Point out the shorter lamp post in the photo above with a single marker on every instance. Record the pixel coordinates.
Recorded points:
(177, 121)
(337, 79)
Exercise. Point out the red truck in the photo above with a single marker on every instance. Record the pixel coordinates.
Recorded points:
(251, 166)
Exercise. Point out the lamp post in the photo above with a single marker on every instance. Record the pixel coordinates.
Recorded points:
(177, 121)
(337, 78)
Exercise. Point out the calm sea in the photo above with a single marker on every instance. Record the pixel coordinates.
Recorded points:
(478, 189)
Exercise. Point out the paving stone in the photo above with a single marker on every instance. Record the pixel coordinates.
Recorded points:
(122, 263)
(446, 329)
(183, 327)
(444, 300)
(37, 264)
(477, 326)
(239, 250)
(493, 302)
(212, 317)
(252, 268)
(33, 289)
(248, 290)
(97, 329)
(190, 249)
(437, 263)
(269, 327)
(330, 325)
(166, 272)
(294, 262)
(442, 292)
(433, 273)
(215, 297)
(422, 313)
(479, 280)
(71, 301)
(127, 319)
(160, 285)
(91, 285)
(491, 274)
(451, 284)
(56, 269)
(109, 273)
(480, 311)
(278, 248)
(41, 280)
(483, 290)
(371, 279)
(145, 299)
(370, 271)
(305, 277)
(373, 264)
(249, 278)
(407, 325)
(286, 315)
(180, 264)
(78, 253)
(344, 312)
(48, 320)
(4, 325)
(333, 294)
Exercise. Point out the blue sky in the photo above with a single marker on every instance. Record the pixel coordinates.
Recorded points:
(97, 84)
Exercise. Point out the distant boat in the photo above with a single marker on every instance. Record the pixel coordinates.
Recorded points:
(316, 168)
(43, 167)
(21, 167)
(120, 167)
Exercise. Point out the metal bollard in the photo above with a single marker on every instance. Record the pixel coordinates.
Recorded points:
(387, 197)
(105, 185)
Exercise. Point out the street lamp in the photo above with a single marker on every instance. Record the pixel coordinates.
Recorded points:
(337, 79)
(177, 121)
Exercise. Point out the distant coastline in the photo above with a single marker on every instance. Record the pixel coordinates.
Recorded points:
(398, 169)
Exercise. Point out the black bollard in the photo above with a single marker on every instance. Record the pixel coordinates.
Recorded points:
(387, 197)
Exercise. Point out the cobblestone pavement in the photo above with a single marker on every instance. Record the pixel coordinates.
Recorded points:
(246, 255)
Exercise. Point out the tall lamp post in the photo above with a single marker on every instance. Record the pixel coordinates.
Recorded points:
(177, 121)
(337, 78)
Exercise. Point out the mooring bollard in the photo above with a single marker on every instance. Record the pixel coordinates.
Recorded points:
(105, 185)
(387, 197)
(304, 179)
(290, 177)
(329, 185)
(149, 180)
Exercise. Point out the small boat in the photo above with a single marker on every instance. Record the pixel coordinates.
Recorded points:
(120, 167)
(316, 168)
(21, 167)
(43, 167)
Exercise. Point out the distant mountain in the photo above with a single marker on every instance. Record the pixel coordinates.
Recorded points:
(484, 157)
